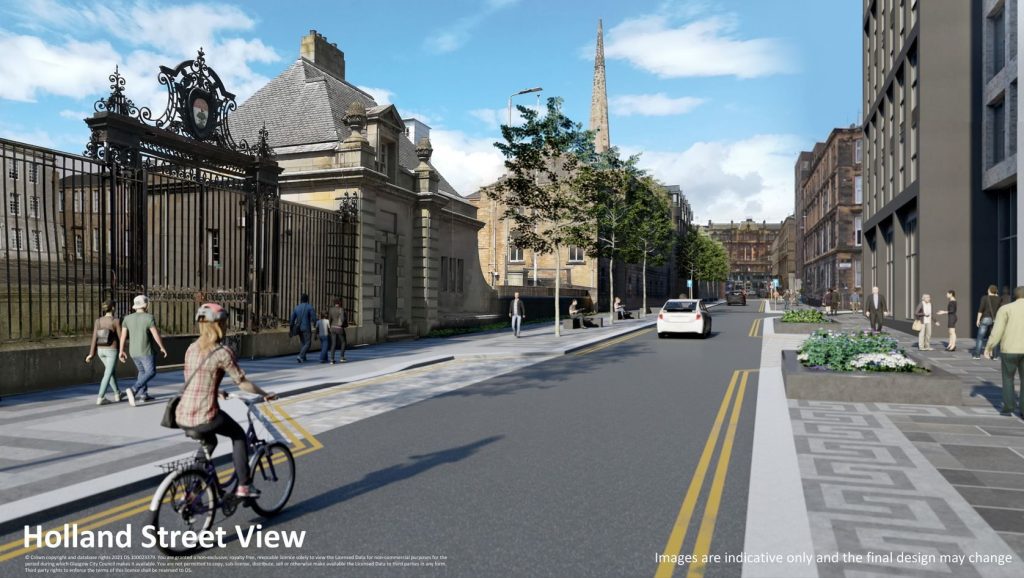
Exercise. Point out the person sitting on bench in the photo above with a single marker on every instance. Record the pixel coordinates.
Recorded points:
(620, 310)
(576, 314)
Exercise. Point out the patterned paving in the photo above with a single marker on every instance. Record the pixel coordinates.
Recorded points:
(872, 494)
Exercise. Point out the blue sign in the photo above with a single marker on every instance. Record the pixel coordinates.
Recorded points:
(775, 282)
(689, 283)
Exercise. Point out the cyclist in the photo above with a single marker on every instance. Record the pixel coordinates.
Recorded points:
(198, 412)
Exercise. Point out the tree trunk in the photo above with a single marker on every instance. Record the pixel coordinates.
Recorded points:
(644, 310)
(611, 285)
(558, 288)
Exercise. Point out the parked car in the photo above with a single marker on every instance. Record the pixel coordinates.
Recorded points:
(684, 316)
(736, 298)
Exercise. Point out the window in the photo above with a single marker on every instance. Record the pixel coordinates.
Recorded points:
(63, 238)
(575, 254)
(33, 173)
(998, 42)
(33, 206)
(95, 202)
(213, 242)
(13, 172)
(444, 274)
(37, 244)
(15, 204)
(76, 201)
(515, 254)
(95, 240)
(16, 239)
(858, 151)
(459, 276)
(858, 189)
(452, 270)
(998, 132)
(858, 232)
(79, 246)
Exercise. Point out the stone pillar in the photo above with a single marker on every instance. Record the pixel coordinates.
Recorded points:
(355, 151)
(426, 256)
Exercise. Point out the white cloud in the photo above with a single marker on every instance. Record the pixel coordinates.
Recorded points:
(467, 163)
(493, 118)
(74, 114)
(731, 180)
(153, 34)
(658, 104)
(379, 95)
(706, 47)
(461, 30)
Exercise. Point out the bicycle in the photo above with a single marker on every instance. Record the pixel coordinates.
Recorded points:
(189, 497)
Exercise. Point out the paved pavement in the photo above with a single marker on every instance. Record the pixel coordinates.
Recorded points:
(878, 478)
(60, 448)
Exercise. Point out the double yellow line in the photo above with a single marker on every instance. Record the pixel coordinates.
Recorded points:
(755, 328)
(616, 341)
(763, 306)
(702, 545)
(302, 444)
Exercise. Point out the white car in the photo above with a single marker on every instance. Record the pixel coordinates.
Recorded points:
(684, 316)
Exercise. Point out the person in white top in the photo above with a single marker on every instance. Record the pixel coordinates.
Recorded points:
(923, 315)
(323, 331)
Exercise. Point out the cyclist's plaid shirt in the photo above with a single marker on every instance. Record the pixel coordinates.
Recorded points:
(199, 402)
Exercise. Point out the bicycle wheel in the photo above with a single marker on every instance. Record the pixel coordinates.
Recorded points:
(273, 474)
(187, 503)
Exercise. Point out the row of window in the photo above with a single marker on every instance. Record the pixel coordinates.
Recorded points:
(33, 173)
(517, 254)
(14, 203)
(452, 275)
(15, 241)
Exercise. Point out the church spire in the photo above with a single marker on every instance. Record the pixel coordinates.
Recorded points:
(599, 100)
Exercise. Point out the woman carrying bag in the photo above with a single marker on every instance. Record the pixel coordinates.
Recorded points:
(106, 335)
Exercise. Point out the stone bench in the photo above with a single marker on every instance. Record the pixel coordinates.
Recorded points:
(597, 320)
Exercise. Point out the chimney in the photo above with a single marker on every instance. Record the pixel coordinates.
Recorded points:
(325, 55)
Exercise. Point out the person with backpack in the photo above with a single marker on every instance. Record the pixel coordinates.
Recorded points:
(302, 322)
(106, 334)
(986, 319)
(338, 318)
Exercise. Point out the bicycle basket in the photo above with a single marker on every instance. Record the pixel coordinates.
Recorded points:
(183, 464)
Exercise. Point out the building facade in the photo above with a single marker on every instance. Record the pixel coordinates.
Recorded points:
(748, 244)
(783, 255)
(829, 208)
(927, 226)
(417, 236)
(1000, 138)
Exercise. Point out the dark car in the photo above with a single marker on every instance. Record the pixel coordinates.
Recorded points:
(736, 298)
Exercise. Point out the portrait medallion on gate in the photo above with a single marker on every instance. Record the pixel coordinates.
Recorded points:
(202, 117)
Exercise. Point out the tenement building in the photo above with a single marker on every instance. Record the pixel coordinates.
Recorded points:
(828, 208)
(748, 244)
(927, 225)
(783, 255)
(1000, 101)
(417, 235)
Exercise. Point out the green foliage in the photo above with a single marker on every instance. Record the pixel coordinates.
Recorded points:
(803, 316)
(649, 229)
(836, 351)
(707, 257)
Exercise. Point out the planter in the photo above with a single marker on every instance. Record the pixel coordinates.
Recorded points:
(937, 387)
(803, 328)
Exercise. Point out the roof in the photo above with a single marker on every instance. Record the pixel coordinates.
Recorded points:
(304, 106)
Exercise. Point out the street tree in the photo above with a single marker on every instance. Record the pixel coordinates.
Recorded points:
(705, 258)
(649, 231)
(541, 192)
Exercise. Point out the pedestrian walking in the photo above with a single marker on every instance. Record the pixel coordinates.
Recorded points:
(875, 309)
(323, 333)
(339, 321)
(516, 312)
(923, 323)
(106, 334)
(986, 319)
(140, 333)
(951, 319)
(1008, 333)
(855, 300)
(302, 322)
(826, 301)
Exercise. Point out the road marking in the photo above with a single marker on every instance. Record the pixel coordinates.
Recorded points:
(404, 374)
(707, 525)
(755, 328)
(140, 505)
(615, 341)
(682, 524)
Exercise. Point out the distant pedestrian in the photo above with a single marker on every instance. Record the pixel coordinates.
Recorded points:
(140, 332)
(323, 333)
(875, 309)
(1008, 333)
(516, 312)
(827, 301)
(855, 300)
(338, 317)
(106, 334)
(302, 323)
(986, 319)
(923, 322)
(950, 311)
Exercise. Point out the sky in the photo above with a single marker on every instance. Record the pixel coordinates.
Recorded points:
(718, 97)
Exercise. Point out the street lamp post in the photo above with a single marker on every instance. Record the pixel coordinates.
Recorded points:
(507, 236)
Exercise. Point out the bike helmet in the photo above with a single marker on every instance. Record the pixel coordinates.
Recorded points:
(211, 312)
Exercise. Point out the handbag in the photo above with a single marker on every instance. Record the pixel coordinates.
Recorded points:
(917, 326)
(170, 419)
